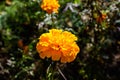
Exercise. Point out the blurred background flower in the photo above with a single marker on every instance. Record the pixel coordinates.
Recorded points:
(50, 6)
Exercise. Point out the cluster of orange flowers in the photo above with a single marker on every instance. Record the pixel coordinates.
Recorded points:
(59, 45)
(50, 6)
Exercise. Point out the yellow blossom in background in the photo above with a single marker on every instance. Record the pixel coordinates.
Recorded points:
(50, 6)
(58, 45)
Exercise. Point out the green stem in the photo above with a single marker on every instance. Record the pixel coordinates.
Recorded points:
(50, 72)
(53, 22)
(61, 73)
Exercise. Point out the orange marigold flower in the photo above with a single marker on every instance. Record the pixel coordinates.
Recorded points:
(50, 6)
(58, 45)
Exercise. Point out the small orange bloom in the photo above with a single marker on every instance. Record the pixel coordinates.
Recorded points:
(58, 45)
(101, 18)
(25, 49)
(50, 6)
(20, 43)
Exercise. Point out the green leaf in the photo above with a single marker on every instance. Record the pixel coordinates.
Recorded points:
(77, 1)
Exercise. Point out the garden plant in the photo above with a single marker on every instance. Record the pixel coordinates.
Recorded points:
(59, 39)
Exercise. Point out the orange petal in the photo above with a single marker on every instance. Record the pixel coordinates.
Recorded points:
(56, 55)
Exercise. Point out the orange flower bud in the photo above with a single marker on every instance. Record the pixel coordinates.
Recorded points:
(26, 48)
(20, 43)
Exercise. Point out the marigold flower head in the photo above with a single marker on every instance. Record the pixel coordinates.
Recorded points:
(50, 6)
(58, 45)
